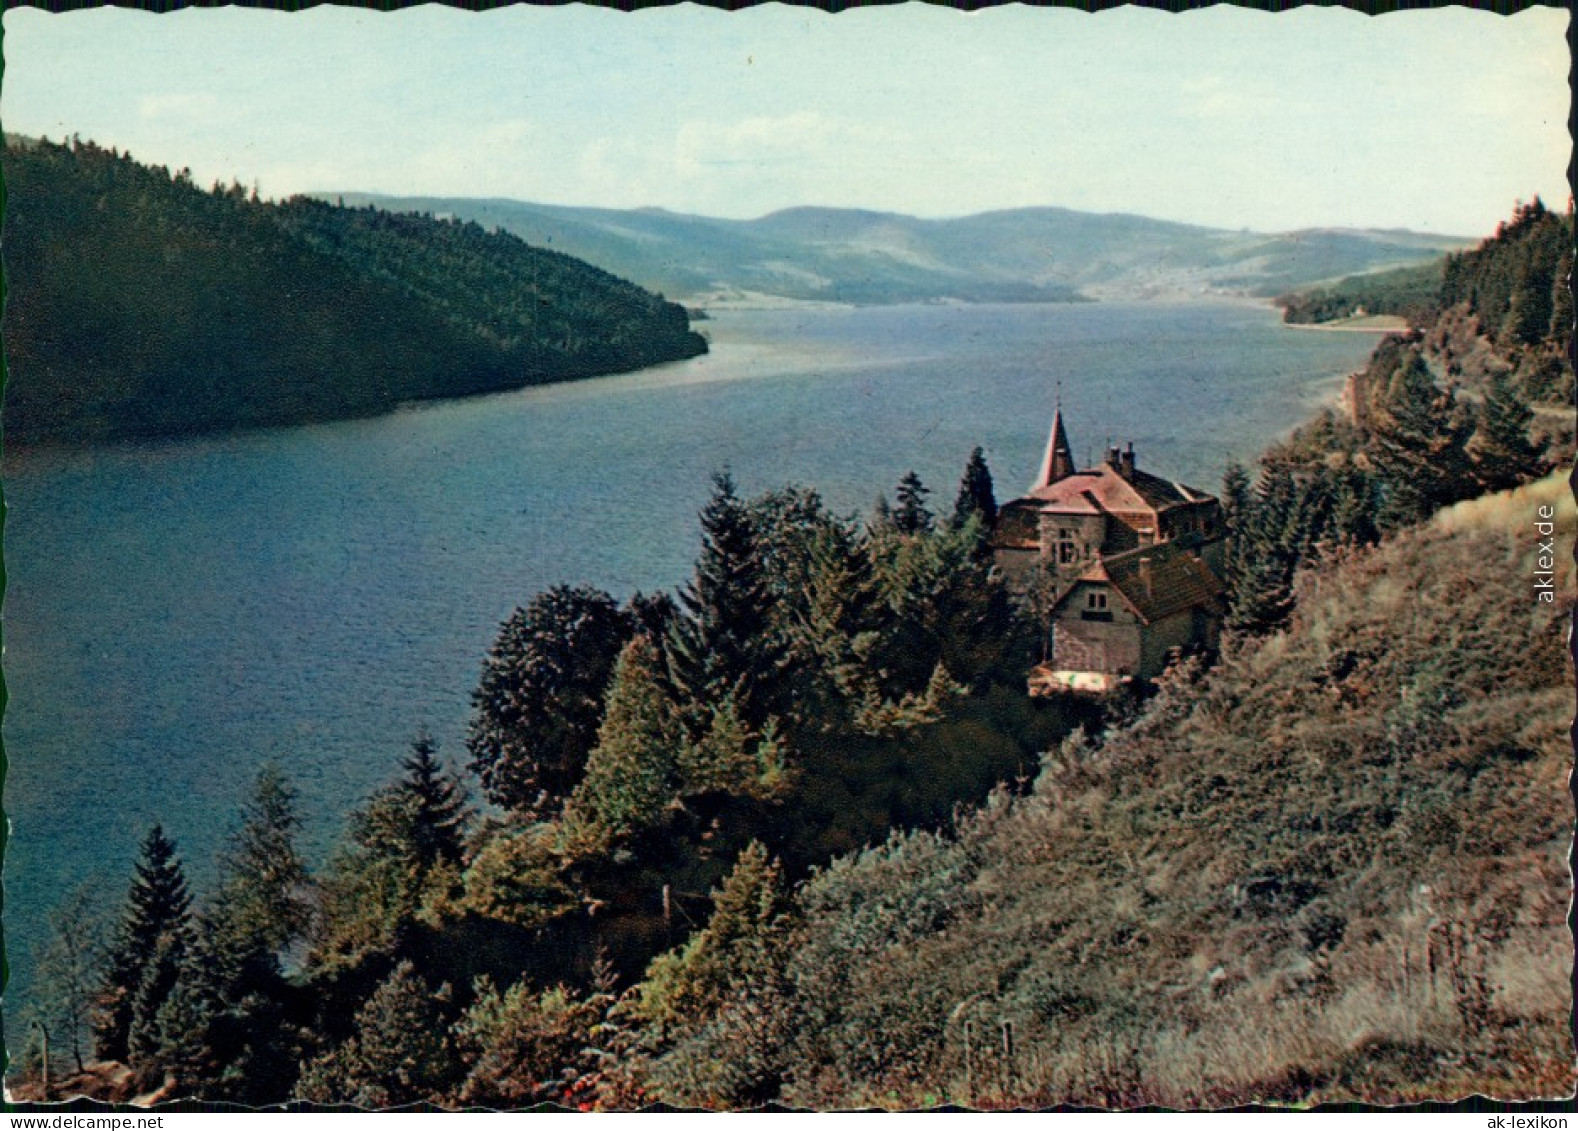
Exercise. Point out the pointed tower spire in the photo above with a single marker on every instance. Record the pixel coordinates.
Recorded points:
(1058, 463)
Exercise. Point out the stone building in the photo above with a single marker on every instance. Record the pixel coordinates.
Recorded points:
(1124, 564)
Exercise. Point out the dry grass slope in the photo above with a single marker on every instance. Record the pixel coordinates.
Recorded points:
(1334, 868)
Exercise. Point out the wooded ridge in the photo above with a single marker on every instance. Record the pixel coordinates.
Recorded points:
(141, 305)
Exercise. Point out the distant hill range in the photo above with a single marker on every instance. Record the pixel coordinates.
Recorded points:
(141, 305)
(1022, 255)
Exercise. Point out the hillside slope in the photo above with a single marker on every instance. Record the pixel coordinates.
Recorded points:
(1334, 867)
(1018, 255)
(141, 305)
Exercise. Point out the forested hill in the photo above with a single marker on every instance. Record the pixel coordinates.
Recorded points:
(1506, 300)
(140, 304)
(872, 258)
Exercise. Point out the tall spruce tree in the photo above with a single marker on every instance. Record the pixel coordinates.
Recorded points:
(400, 847)
(1418, 441)
(1237, 501)
(722, 644)
(976, 498)
(437, 804)
(631, 775)
(1502, 453)
(1267, 554)
(156, 921)
(910, 515)
(540, 699)
(265, 889)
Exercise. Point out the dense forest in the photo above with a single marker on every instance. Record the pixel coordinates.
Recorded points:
(795, 834)
(139, 304)
(1408, 292)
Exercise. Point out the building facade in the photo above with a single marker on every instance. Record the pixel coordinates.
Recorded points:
(1125, 565)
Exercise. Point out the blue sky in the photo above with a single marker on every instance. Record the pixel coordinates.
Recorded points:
(1435, 120)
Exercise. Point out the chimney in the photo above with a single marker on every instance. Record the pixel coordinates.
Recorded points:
(1145, 576)
(1114, 457)
(1128, 460)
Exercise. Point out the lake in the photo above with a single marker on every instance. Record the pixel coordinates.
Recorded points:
(180, 612)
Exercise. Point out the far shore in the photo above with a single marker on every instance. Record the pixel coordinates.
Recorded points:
(1372, 324)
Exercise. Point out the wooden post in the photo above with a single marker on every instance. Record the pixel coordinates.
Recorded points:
(969, 1081)
(668, 906)
(1008, 1053)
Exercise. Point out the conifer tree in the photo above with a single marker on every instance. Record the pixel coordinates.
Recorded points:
(1501, 450)
(399, 1053)
(156, 921)
(437, 804)
(401, 844)
(1561, 327)
(540, 699)
(910, 515)
(265, 888)
(975, 493)
(183, 1033)
(881, 522)
(159, 980)
(1267, 554)
(1353, 509)
(713, 1010)
(1236, 512)
(631, 774)
(1529, 308)
(750, 923)
(723, 643)
(836, 628)
(1418, 444)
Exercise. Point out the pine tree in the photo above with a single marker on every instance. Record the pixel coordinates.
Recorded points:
(751, 916)
(910, 515)
(713, 1010)
(836, 625)
(1529, 309)
(401, 847)
(723, 644)
(157, 920)
(1354, 509)
(437, 803)
(159, 980)
(1418, 441)
(1237, 502)
(540, 699)
(399, 1053)
(264, 887)
(1502, 454)
(631, 774)
(1561, 327)
(975, 494)
(1267, 554)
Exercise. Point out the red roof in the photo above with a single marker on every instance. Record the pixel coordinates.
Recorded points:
(1178, 581)
(1105, 488)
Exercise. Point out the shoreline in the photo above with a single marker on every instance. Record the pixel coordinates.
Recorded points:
(1394, 326)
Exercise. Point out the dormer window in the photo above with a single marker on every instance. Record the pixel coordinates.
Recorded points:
(1096, 599)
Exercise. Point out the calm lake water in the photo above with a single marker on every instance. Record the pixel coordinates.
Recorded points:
(180, 612)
